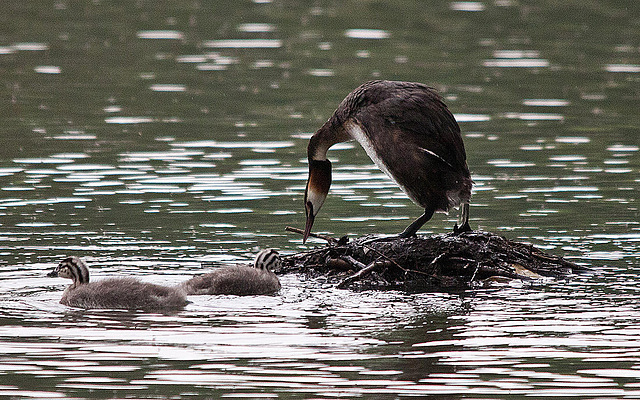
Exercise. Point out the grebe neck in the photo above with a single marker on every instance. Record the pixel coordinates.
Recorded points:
(329, 134)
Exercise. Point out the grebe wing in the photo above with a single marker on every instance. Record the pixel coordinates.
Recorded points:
(414, 139)
(416, 116)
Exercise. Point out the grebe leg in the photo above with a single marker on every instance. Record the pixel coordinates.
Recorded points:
(417, 224)
(464, 220)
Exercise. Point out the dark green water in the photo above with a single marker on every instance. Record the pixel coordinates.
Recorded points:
(151, 136)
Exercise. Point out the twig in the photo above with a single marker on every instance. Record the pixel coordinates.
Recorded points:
(433, 262)
(362, 273)
(474, 272)
(329, 239)
(381, 254)
(464, 259)
(305, 255)
(354, 262)
(394, 262)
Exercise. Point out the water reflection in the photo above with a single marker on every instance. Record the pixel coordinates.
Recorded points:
(128, 120)
(325, 341)
(244, 43)
(30, 46)
(47, 69)
(546, 102)
(516, 59)
(367, 34)
(535, 116)
(160, 34)
(283, 340)
(632, 68)
(473, 6)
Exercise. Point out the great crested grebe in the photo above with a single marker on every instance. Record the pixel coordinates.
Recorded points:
(410, 134)
(114, 293)
(241, 280)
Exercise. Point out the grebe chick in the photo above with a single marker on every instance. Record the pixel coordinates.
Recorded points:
(114, 293)
(241, 280)
(410, 134)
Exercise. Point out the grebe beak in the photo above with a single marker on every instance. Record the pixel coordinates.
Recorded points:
(316, 191)
(310, 218)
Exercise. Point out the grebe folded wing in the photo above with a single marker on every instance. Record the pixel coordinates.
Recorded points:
(413, 137)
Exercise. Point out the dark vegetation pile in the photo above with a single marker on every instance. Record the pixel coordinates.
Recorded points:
(445, 262)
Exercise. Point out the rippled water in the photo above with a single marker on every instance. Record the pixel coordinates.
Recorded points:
(151, 138)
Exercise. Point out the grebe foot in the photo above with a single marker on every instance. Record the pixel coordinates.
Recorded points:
(405, 235)
(462, 228)
(413, 227)
(382, 239)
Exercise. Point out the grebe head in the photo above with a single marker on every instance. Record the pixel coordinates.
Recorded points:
(72, 268)
(316, 191)
(268, 260)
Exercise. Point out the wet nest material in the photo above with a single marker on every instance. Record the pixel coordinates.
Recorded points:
(446, 261)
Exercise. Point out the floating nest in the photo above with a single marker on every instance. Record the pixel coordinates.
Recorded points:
(438, 262)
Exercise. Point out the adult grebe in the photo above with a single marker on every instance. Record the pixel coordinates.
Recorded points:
(116, 293)
(410, 134)
(241, 280)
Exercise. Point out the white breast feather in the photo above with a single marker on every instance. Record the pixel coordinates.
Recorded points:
(355, 131)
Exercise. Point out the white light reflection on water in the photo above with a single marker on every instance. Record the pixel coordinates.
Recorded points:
(546, 102)
(75, 136)
(573, 139)
(211, 67)
(321, 72)
(234, 145)
(472, 117)
(629, 68)
(510, 164)
(256, 27)
(50, 201)
(471, 6)
(128, 120)
(623, 148)
(30, 46)
(534, 116)
(168, 87)
(516, 63)
(160, 34)
(48, 69)
(367, 34)
(50, 160)
(244, 43)
(517, 59)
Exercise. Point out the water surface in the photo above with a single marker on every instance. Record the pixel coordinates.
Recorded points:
(152, 137)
